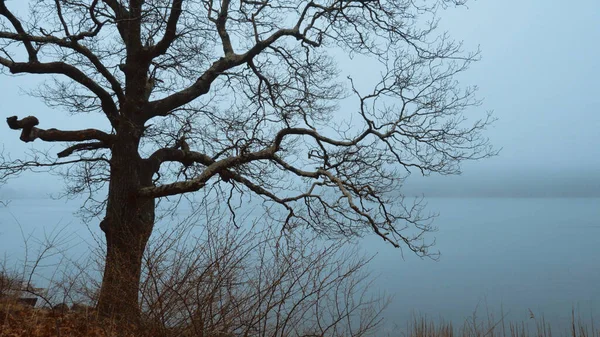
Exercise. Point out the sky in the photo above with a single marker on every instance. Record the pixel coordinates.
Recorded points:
(539, 73)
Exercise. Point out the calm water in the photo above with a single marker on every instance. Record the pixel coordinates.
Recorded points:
(524, 254)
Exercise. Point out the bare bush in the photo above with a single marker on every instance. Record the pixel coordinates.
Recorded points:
(9, 284)
(203, 277)
(255, 282)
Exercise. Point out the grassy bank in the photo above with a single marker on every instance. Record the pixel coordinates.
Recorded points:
(21, 320)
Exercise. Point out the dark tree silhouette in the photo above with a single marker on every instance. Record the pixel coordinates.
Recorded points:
(242, 98)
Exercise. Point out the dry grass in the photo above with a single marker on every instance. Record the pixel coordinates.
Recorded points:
(18, 320)
(423, 327)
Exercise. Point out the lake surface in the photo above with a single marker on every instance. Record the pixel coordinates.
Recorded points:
(518, 254)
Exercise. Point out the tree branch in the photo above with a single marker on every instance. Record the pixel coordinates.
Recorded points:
(31, 51)
(16, 167)
(82, 147)
(213, 168)
(173, 154)
(108, 105)
(202, 85)
(59, 13)
(121, 16)
(133, 26)
(29, 132)
(216, 167)
(170, 32)
(221, 23)
(71, 43)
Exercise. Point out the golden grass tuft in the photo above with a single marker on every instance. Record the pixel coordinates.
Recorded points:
(424, 327)
(17, 320)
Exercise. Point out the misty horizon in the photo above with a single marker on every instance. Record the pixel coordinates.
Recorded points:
(576, 183)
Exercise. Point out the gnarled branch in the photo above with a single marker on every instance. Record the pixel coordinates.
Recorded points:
(173, 154)
(214, 168)
(29, 132)
(82, 147)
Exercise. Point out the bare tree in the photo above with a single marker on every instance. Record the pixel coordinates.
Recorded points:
(240, 99)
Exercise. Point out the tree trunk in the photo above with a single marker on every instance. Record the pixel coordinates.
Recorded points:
(127, 226)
